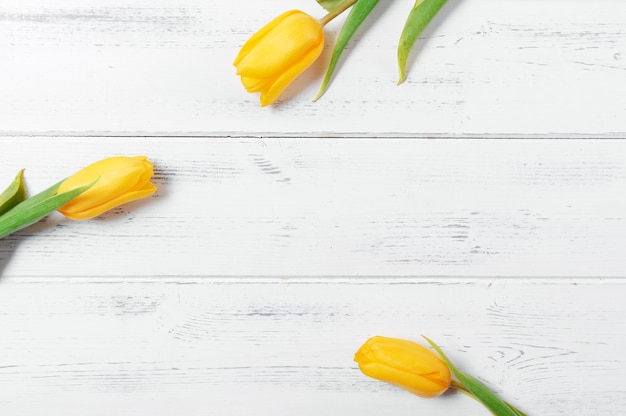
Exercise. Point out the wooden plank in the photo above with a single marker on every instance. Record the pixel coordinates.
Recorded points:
(239, 346)
(314, 207)
(484, 68)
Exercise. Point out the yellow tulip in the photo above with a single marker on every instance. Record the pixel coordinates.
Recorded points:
(120, 179)
(274, 56)
(405, 364)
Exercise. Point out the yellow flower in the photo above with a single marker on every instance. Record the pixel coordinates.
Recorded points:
(404, 363)
(274, 56)
(121, 179)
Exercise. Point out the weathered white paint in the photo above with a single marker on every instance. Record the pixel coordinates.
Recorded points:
(246, 284)
(179, 345)
(317, 207)
(270, 253)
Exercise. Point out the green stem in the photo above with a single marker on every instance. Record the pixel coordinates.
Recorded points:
(36, 207)
(456, 385)
(345, 5)
(515, 409)
(460, 387)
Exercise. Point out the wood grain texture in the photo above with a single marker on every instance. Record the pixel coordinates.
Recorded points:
(315, 207)
(282, 238)
(197, 346)
(483, 68)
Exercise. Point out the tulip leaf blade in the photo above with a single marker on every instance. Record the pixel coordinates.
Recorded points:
(420, 16)
(35, 208)
(478, 389)
(13, 194)
(483, 394)
(329, 5)
(356, 17)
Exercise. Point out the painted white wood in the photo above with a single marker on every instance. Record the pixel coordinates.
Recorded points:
(316, 207)
(246, 284)
(151, 309)
(196, 346)
(484, 67)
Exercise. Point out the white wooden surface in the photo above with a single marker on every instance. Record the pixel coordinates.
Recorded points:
(485, 67)
(271, 251)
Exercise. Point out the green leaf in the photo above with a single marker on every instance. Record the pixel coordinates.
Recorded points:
(477, 388)
(35, 208)
(358, 14)
(329, 5)
(14, 194)
(422, 13)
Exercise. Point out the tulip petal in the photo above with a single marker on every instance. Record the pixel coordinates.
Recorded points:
(147, 190)
(358, 14)
(280, 47)
(269, 96)
(255, 85)
(420, 16)
(258, 36)
(417, 383)
(14, 194)
(405, 364)
(118, 175)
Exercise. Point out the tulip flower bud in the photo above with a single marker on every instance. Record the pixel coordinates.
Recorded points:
(405, 364)
(274, 56)
(120, 179)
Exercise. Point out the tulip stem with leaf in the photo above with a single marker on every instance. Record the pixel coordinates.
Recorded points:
(336, 11)
(19, 212)
(355, 18)
(477, 389)
(420, 16)
(420, 371)
(460, 387)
